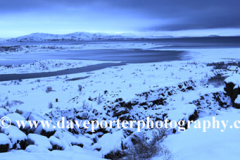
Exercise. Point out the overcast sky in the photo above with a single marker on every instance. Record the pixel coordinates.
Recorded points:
(157, 17)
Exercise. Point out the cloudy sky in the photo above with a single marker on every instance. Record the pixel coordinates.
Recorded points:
(157, 17)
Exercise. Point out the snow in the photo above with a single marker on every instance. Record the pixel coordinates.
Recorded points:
(40, 141)
(2, 39)
(67, 37)
(55, 141)
(182, 112)
(110, 141)
(14, 134)
(87, 142)
(128, 82)
(213, 144)
(36, 149)
(48, 66)
(4, 139)
(213, 54)
(49, 128)
(3, 112)
(43, 154)
(14, 117)
(235, 79)
(237, 100)
(67, 139)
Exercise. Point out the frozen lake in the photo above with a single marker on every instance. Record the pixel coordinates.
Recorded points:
(170, 49)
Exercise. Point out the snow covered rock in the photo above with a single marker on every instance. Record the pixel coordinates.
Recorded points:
(3, 112)
(40, 141)
(235, 79)
(68, 139)
(132, 139)
(232, 86)
(46, 131)
(15, 117)
(4, 143)
(96, 147)
(237, 102)
(56, 143)
(186, 112)
(87, 142)
(110, 141)
(17, 137)
(36, 149)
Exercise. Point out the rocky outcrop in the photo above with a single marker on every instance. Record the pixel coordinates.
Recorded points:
(232, 89)
(4, 143)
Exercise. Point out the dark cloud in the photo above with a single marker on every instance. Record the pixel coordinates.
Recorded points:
(176, 14)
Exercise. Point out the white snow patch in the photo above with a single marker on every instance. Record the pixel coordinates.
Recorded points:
(3, 112)
(40, 141)
(4, 139)
(110, 141)
(36, 149)
(213, 144)
(237, 100)
(14, 134)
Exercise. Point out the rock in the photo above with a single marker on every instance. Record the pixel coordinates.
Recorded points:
(120, 112)
(232, 87)
(17, 137)
(47, 132)
(232, 91)
(56, 143)
(235, 94)
(87, 142)
(40, 141)
(15, 117)
(237, 102)
(229, 88)
(4, 143)
(190, 88)
(194, 116)
(4, 148)
(110, 141)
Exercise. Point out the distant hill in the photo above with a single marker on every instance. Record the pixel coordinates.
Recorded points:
(2, 39)
(78, 36)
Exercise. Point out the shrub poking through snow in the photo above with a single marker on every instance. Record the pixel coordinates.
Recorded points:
(146, 150)
(142, 148)
(49, 89)
(99, 99)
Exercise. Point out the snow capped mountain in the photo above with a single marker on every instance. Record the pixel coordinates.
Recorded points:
(2, 40)
(78, 36)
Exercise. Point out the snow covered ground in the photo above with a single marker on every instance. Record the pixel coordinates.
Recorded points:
(213, 144)
(175, 90)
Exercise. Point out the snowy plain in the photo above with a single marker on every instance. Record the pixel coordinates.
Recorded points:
(30, 99)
